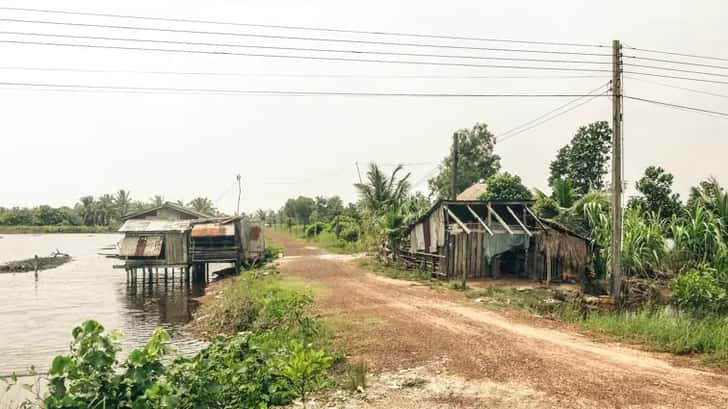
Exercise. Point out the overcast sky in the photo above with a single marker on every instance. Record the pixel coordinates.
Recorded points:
(59, 146)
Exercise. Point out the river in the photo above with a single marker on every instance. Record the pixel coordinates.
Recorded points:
(37, 316)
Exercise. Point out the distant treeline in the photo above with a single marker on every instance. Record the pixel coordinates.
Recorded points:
(94, 213)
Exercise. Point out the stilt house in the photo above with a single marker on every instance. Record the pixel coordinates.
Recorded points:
(173, 236)
(493, 239)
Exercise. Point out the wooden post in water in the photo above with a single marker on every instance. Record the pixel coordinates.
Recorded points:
(35, 265)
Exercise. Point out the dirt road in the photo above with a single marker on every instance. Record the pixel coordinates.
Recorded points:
(467, 356)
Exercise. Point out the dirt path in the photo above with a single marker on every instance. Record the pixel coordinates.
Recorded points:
(471, 357)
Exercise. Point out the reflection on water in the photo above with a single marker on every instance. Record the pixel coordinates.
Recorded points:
(36, 317)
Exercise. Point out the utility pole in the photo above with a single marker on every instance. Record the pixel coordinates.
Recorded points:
(358, 172)
(240, 191)
(453, 188)
(616, 244)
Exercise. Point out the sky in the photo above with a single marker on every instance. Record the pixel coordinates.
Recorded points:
(58, 145)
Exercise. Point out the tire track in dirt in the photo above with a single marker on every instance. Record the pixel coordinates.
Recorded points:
(394, 325)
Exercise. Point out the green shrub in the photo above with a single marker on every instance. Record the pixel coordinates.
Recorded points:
(314, 229)
(90, 375)
(278, 357)
(698, 291)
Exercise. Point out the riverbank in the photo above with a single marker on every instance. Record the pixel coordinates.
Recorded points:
(56, 229)
(28, 265)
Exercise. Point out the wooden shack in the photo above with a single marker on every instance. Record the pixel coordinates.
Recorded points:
(171, 236)
(493, 239)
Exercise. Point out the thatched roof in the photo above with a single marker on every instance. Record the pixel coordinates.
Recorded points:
(473, 192)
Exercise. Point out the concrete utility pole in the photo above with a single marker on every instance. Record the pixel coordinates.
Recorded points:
(616, 244)
(453, 188)
(358, 172)
(240, 191)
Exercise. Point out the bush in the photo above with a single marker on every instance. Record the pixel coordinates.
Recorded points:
(275, 359)
(546, 207)
(314, 229)
(698, 291)
(90, 375)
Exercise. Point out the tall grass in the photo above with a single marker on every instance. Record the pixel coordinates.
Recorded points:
(664, 329)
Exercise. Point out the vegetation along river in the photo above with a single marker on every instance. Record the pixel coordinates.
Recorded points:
(36, 317)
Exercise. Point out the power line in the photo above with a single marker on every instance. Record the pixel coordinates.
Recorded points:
(677, 77)
(292, 75)
(308, 57)
(287, 37)
(646, 50)
(721, 67)
(592, 97)
(560, 107)
(697, 91)
(653, 67)
(328, 50)
(305, 28)
(683, 107)
(291, 93)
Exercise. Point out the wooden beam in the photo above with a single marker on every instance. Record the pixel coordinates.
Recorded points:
(535, 217)
(482, 223)
(523, 226)
(461, 224)
(500, 220)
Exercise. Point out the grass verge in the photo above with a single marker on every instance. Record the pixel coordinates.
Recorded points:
(371, 264)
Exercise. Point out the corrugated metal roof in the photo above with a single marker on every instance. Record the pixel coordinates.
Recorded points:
(141, 246)
(213, 230)
(155, 225)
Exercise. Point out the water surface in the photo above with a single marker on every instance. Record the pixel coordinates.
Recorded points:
(36, 317)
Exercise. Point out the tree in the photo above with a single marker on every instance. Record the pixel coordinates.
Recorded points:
(506, 187)
(300, 209)
(48, 216)
(157, 200)
(203, 205)
(87, 210)
(563, 192)
(655, 188)
(707, 192)
(584, 160)
(476, 161)
(105, 210)
(261, 215)
(415, 206)
(380, 192)
(122, 202)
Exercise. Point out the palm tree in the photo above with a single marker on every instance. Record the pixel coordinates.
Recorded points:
(105, 209)
(157, 200)
(87, 210)
(261, 215)
(381, 192)
(122, 202)
(202, 205)
(563, 192)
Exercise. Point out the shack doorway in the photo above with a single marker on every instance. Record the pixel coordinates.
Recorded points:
(513, 263)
